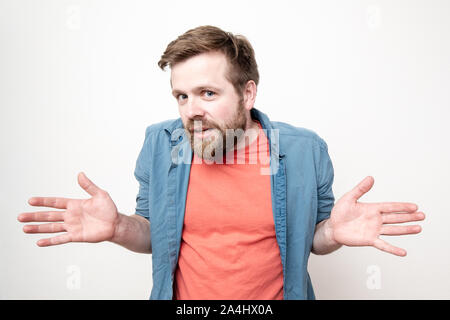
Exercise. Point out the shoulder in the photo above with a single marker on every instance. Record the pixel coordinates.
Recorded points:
(159, 127)
(295, 135)
(159, 134)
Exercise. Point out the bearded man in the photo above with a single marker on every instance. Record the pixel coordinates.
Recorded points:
(230, 204)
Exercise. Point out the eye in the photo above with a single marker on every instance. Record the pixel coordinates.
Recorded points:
(209, 93)
(181, 96)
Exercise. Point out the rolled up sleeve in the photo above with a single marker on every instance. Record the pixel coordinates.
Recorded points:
(325, 177)
(142, 175)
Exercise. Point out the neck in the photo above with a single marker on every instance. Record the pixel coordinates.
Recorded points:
(250, 133)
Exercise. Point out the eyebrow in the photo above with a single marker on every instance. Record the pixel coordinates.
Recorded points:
(175, 92)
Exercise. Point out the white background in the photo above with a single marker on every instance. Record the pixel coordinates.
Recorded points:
(79, 83)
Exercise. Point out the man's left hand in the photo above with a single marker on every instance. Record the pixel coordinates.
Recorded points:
(354, 223)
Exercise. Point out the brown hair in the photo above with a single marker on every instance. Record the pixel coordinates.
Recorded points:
(237, 49)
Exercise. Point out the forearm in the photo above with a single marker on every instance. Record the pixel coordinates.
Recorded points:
(133, 233)
(323, 242)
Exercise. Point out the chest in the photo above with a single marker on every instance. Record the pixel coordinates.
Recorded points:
(228, 198)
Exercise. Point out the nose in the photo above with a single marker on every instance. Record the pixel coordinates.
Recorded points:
(194, 109)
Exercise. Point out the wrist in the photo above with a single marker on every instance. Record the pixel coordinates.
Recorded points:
(329, 233)
(118, 228)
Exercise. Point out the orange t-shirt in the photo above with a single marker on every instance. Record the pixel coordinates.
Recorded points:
(228, 246)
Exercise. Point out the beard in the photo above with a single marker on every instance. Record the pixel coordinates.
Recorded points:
(220, 139)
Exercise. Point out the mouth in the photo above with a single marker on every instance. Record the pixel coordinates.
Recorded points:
(204, 132)
(203, 129)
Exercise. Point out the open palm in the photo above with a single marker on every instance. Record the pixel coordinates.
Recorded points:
(355, 223)
(83, 220)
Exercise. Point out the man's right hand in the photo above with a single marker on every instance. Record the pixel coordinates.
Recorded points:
(83, 220)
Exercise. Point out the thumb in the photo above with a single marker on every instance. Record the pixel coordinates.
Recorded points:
(87, 184)
(363, 187)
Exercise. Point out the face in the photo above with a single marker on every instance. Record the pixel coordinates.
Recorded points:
(209, 105)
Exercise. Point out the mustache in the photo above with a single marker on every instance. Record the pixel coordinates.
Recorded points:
(199, 124)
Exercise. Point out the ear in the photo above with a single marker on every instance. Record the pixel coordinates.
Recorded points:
(249, 94)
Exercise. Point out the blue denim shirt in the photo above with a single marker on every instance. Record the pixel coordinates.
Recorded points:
(301, 189)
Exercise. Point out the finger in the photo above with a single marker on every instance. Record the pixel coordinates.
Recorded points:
(87, 184)
(64, 238)
(363, 187)
(53, 202)
(388, 207)
(386, 247)
(44, 216)
(399, 230)
(44, 228)
(402, 217)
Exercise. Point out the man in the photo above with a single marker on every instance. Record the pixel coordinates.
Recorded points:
(230, 203)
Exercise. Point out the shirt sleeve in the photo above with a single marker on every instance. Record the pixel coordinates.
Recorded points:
(325, 183)
(142, 174)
